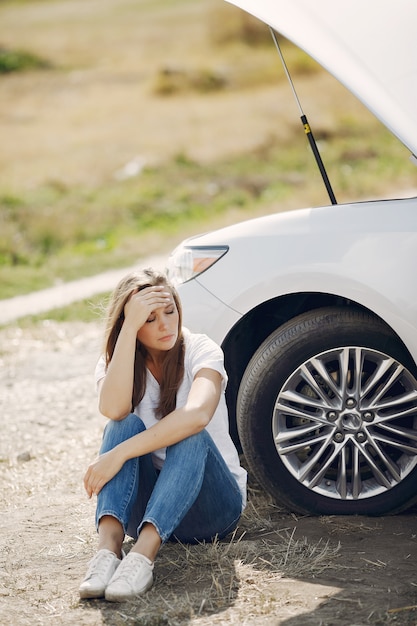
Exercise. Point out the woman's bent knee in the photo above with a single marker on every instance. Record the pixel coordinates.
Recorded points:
(117, 431)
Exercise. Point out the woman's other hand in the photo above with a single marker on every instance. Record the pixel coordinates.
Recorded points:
(100, 471)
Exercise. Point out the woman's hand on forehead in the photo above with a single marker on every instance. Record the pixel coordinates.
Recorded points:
(142, 303)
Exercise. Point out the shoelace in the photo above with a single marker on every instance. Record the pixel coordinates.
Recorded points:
(131, 568)
(100, 561)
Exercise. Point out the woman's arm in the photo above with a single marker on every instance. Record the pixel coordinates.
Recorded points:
(115, 390)
(188, 420)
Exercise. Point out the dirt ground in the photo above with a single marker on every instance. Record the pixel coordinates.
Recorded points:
(277, 568)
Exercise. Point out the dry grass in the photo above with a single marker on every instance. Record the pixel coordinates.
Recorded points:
(99, 111)
(238, 572)
(82, 122)
(339, 526)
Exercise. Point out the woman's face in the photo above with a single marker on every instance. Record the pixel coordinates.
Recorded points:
(160, 332)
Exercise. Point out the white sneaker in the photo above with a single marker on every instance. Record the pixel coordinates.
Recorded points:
(132, 579)
(100, 571)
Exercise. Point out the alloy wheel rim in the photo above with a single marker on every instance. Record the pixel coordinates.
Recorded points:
(345, 423)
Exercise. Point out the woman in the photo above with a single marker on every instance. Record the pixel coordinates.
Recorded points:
(167, 469)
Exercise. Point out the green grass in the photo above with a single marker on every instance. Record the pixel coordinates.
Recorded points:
(15, 60)
(51, 233)
(58, 233)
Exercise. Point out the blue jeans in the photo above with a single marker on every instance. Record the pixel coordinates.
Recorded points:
(193, 498)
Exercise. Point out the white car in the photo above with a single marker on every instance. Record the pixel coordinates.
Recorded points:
(316, 309)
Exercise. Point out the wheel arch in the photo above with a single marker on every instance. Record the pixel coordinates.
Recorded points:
(256, 325)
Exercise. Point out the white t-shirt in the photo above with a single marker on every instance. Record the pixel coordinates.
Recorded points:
(200, 352)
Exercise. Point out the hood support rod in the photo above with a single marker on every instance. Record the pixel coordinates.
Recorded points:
(306, 125)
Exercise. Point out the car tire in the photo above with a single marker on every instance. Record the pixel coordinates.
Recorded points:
(327, 415)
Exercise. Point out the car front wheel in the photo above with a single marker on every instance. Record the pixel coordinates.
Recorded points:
(327, 415)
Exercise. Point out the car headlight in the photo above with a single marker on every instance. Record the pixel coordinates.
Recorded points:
(187, 262)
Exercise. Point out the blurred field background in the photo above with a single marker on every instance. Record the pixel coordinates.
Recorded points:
(127, 125)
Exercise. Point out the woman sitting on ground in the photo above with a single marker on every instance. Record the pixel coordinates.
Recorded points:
(167, 469)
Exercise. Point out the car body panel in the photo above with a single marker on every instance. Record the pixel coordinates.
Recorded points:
(368, 46)
(364, 252)
(204, 312)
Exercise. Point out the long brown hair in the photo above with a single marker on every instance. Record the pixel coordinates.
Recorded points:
(173, 365)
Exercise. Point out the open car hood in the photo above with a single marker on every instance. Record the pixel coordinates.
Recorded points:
(368, 45)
